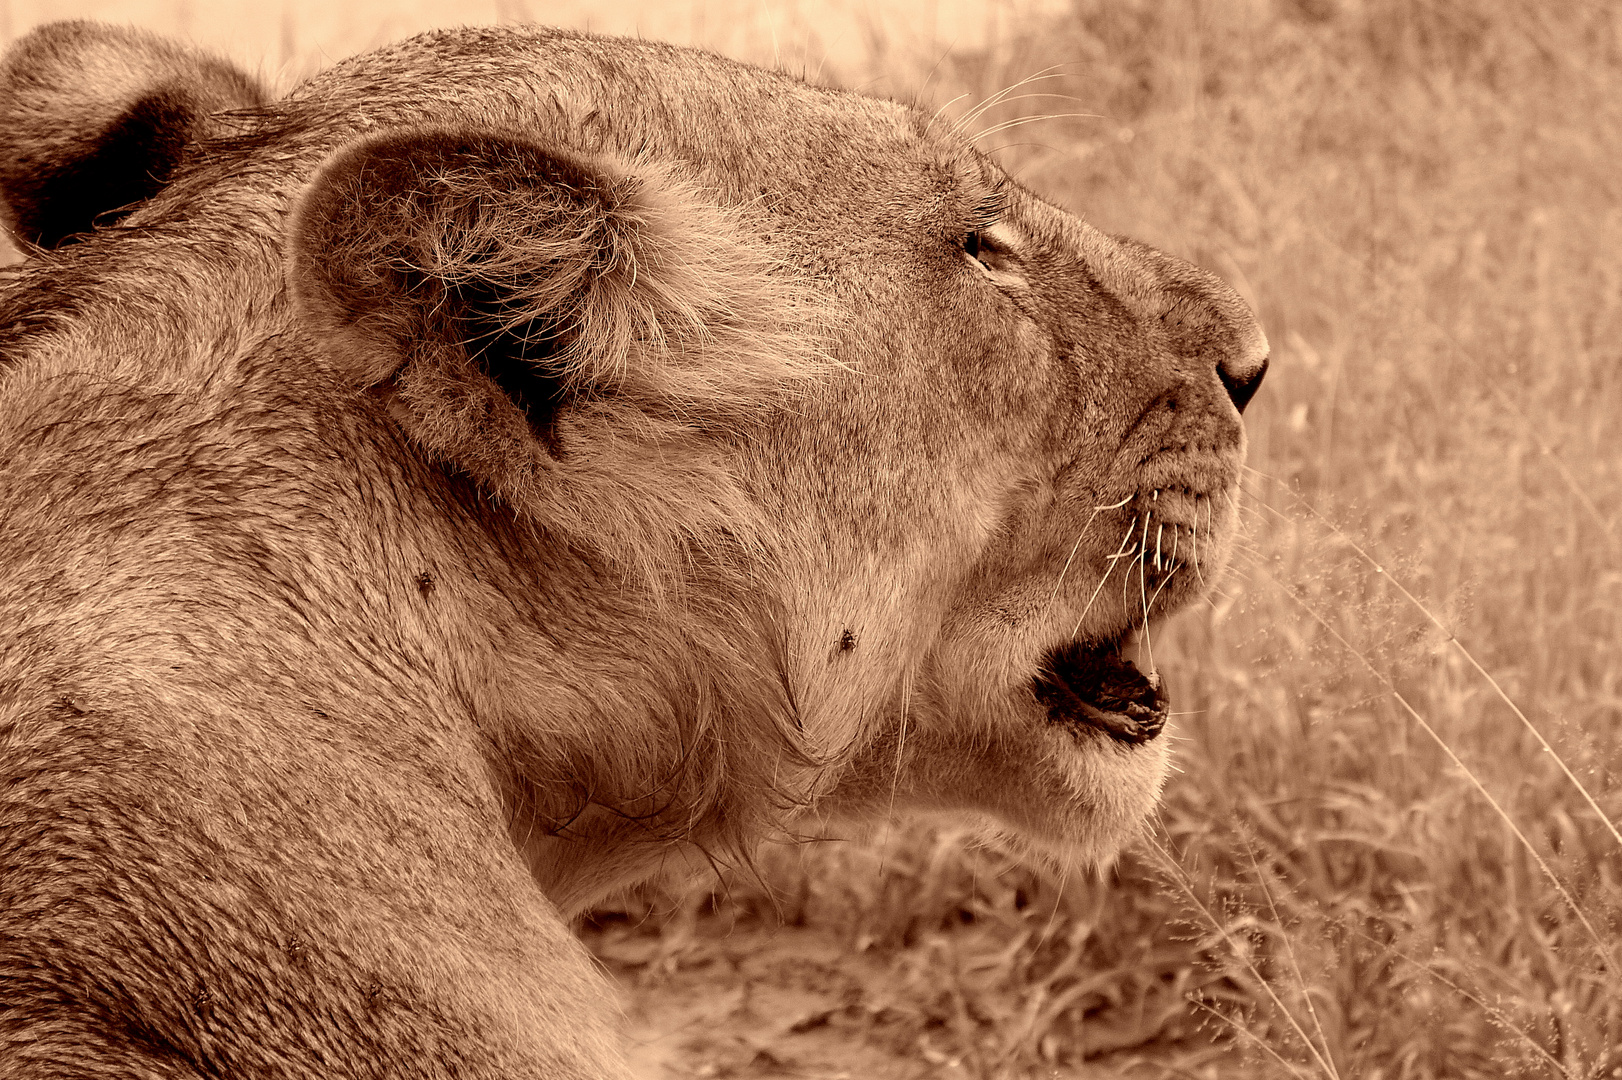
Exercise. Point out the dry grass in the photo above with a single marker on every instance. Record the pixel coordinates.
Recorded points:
(1369, 865)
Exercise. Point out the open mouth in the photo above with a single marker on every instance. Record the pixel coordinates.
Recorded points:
(1099, 686)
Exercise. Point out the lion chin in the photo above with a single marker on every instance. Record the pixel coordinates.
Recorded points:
(515, 461)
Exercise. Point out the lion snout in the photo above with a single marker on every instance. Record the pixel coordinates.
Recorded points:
(1193, 318)
(1208, 327)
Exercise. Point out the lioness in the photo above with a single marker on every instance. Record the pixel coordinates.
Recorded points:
(515, 459)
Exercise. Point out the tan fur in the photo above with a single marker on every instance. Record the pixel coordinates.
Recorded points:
(514, 462)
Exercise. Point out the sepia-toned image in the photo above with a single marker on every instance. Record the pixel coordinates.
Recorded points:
(840, 540)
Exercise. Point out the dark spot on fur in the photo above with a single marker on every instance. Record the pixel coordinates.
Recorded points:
(426, 583)
(844, 643)
(67, 706)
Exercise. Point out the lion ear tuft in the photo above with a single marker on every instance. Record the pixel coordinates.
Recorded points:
(568, 330)
(94, 119)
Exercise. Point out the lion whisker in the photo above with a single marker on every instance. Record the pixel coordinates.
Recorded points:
(1148, 645)
(1126, 579)
(1194, 541)
(990, 102)
(1079, 537)
(1053, 916)
(1066, 567)
(994, 100)
(1036, 116)
(900, 758)
(1210, 517)
(1158, 590)
(901, 735)
(1107, 572)
(1042, 94)
(1021, 121)
(942, 109)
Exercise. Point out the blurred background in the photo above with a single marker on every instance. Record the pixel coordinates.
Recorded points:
(1391, 849)
(289, 38)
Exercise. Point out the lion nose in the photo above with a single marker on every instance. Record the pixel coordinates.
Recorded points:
(1204, 320)
(1241, 371)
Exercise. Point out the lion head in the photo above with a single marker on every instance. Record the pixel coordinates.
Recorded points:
(517, 448)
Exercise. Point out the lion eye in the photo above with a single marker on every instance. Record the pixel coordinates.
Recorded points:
(990, 255)
(977, 247)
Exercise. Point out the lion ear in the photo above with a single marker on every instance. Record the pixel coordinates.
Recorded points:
(571, 331)
(94, 119)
